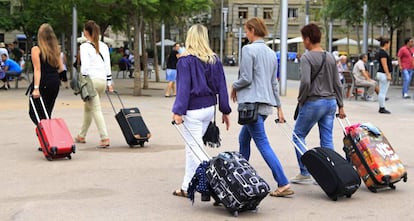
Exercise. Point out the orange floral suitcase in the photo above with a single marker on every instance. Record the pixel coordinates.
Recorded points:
(373, 156)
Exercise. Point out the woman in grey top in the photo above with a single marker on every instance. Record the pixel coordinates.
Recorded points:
(257, 83)
(320, 92)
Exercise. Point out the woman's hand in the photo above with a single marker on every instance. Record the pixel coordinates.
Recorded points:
(389, 77)
(226, 120)
(341, 114)
(280, 115)
(36, 93)
(233, 95)
(178, 119)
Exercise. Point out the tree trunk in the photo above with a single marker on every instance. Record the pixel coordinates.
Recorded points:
(154, 40)
(144, 54)
(137, 61)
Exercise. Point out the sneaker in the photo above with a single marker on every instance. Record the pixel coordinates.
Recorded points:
(382, 110)
(369, 98)
(301, 179)
(406, 96)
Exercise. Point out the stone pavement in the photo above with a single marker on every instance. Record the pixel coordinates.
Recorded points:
(122, 183)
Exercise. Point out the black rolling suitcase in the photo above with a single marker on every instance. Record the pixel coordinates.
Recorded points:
(132, 124)
(335, 175)
(233, 181)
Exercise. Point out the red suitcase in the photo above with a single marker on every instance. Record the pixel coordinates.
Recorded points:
(54, 136)
(373, 156)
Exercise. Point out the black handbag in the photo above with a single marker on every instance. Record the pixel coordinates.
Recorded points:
(211, 137)
(247, 113)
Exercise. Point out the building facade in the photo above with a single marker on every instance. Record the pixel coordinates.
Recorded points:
(236, 12)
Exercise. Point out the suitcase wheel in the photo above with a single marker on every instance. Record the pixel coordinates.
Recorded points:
(141, 143)
(73, 148)
(54, 150)
(405, 177)
(69, 157)
(40, 149)
(335, 198)
(235, 213)
(49, 158)
(392, 186)
(372, 189)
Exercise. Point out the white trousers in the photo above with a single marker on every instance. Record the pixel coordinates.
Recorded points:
(196, 123)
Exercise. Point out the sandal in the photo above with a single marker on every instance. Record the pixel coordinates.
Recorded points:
(283, 193)
(180, 193)
(79, 139)
(104, 143)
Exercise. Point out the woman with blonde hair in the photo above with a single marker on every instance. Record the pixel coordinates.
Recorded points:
(46, 68)
(95, 63)
(200, 78)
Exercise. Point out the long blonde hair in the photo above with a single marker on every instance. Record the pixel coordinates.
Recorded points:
(197, 44)
(48, 45)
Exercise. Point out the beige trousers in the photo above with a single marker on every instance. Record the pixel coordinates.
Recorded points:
(92, 110)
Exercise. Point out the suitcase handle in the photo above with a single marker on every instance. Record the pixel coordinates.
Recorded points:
(110, 100)
(342, 124)
(199, 146)
(277, 121)
(35, 109)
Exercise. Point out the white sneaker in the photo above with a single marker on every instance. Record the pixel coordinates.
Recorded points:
(301, 179)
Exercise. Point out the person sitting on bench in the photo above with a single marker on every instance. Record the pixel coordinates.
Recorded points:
(11, 68)
(362, 77)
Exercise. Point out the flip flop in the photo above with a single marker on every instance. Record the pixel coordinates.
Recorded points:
(278, 193)
(180, 193)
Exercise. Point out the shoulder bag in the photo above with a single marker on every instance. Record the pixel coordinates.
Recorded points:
(298, 106)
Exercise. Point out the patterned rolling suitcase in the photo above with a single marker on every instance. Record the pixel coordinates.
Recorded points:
(236, 183)
(54, 136)
(232, 180)
(332, 172)
(132, 124)
(373, 156)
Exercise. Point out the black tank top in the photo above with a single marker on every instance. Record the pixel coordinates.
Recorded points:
(49, 74)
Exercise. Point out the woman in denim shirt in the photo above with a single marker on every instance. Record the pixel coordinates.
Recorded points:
(257, 83)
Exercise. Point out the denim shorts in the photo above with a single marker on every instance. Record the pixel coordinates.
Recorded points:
(170, 74)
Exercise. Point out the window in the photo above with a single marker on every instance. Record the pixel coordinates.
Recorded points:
(292, 13)
(267, 13)
(243, 12)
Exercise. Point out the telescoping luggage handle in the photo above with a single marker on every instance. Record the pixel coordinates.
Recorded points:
(185, 140)
(342, 124)
(110, 100)
(294, 134)
(35, 110)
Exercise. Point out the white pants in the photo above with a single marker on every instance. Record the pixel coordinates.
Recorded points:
(196, 123)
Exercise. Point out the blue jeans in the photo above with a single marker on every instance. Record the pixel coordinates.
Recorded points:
(384, 84)
(321, 111)
(407, 74)
(258, 133)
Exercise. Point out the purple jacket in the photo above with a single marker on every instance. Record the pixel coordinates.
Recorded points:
(197, 86)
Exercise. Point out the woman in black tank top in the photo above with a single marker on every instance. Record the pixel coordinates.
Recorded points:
(46, 65)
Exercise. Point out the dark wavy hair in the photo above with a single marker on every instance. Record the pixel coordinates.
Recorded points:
(312, 32)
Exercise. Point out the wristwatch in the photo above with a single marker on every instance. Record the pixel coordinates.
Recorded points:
(36, 87)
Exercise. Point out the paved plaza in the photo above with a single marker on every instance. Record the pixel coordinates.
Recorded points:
(129, 184)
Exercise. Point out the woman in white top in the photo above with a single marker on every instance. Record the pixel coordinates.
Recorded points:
(95, 62)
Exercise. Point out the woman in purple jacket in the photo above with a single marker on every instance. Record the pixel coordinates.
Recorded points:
(200, 78)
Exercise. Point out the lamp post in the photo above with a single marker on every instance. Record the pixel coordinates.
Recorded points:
(240, 39)
(307, 12)
(221, 31)
(365, 29)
